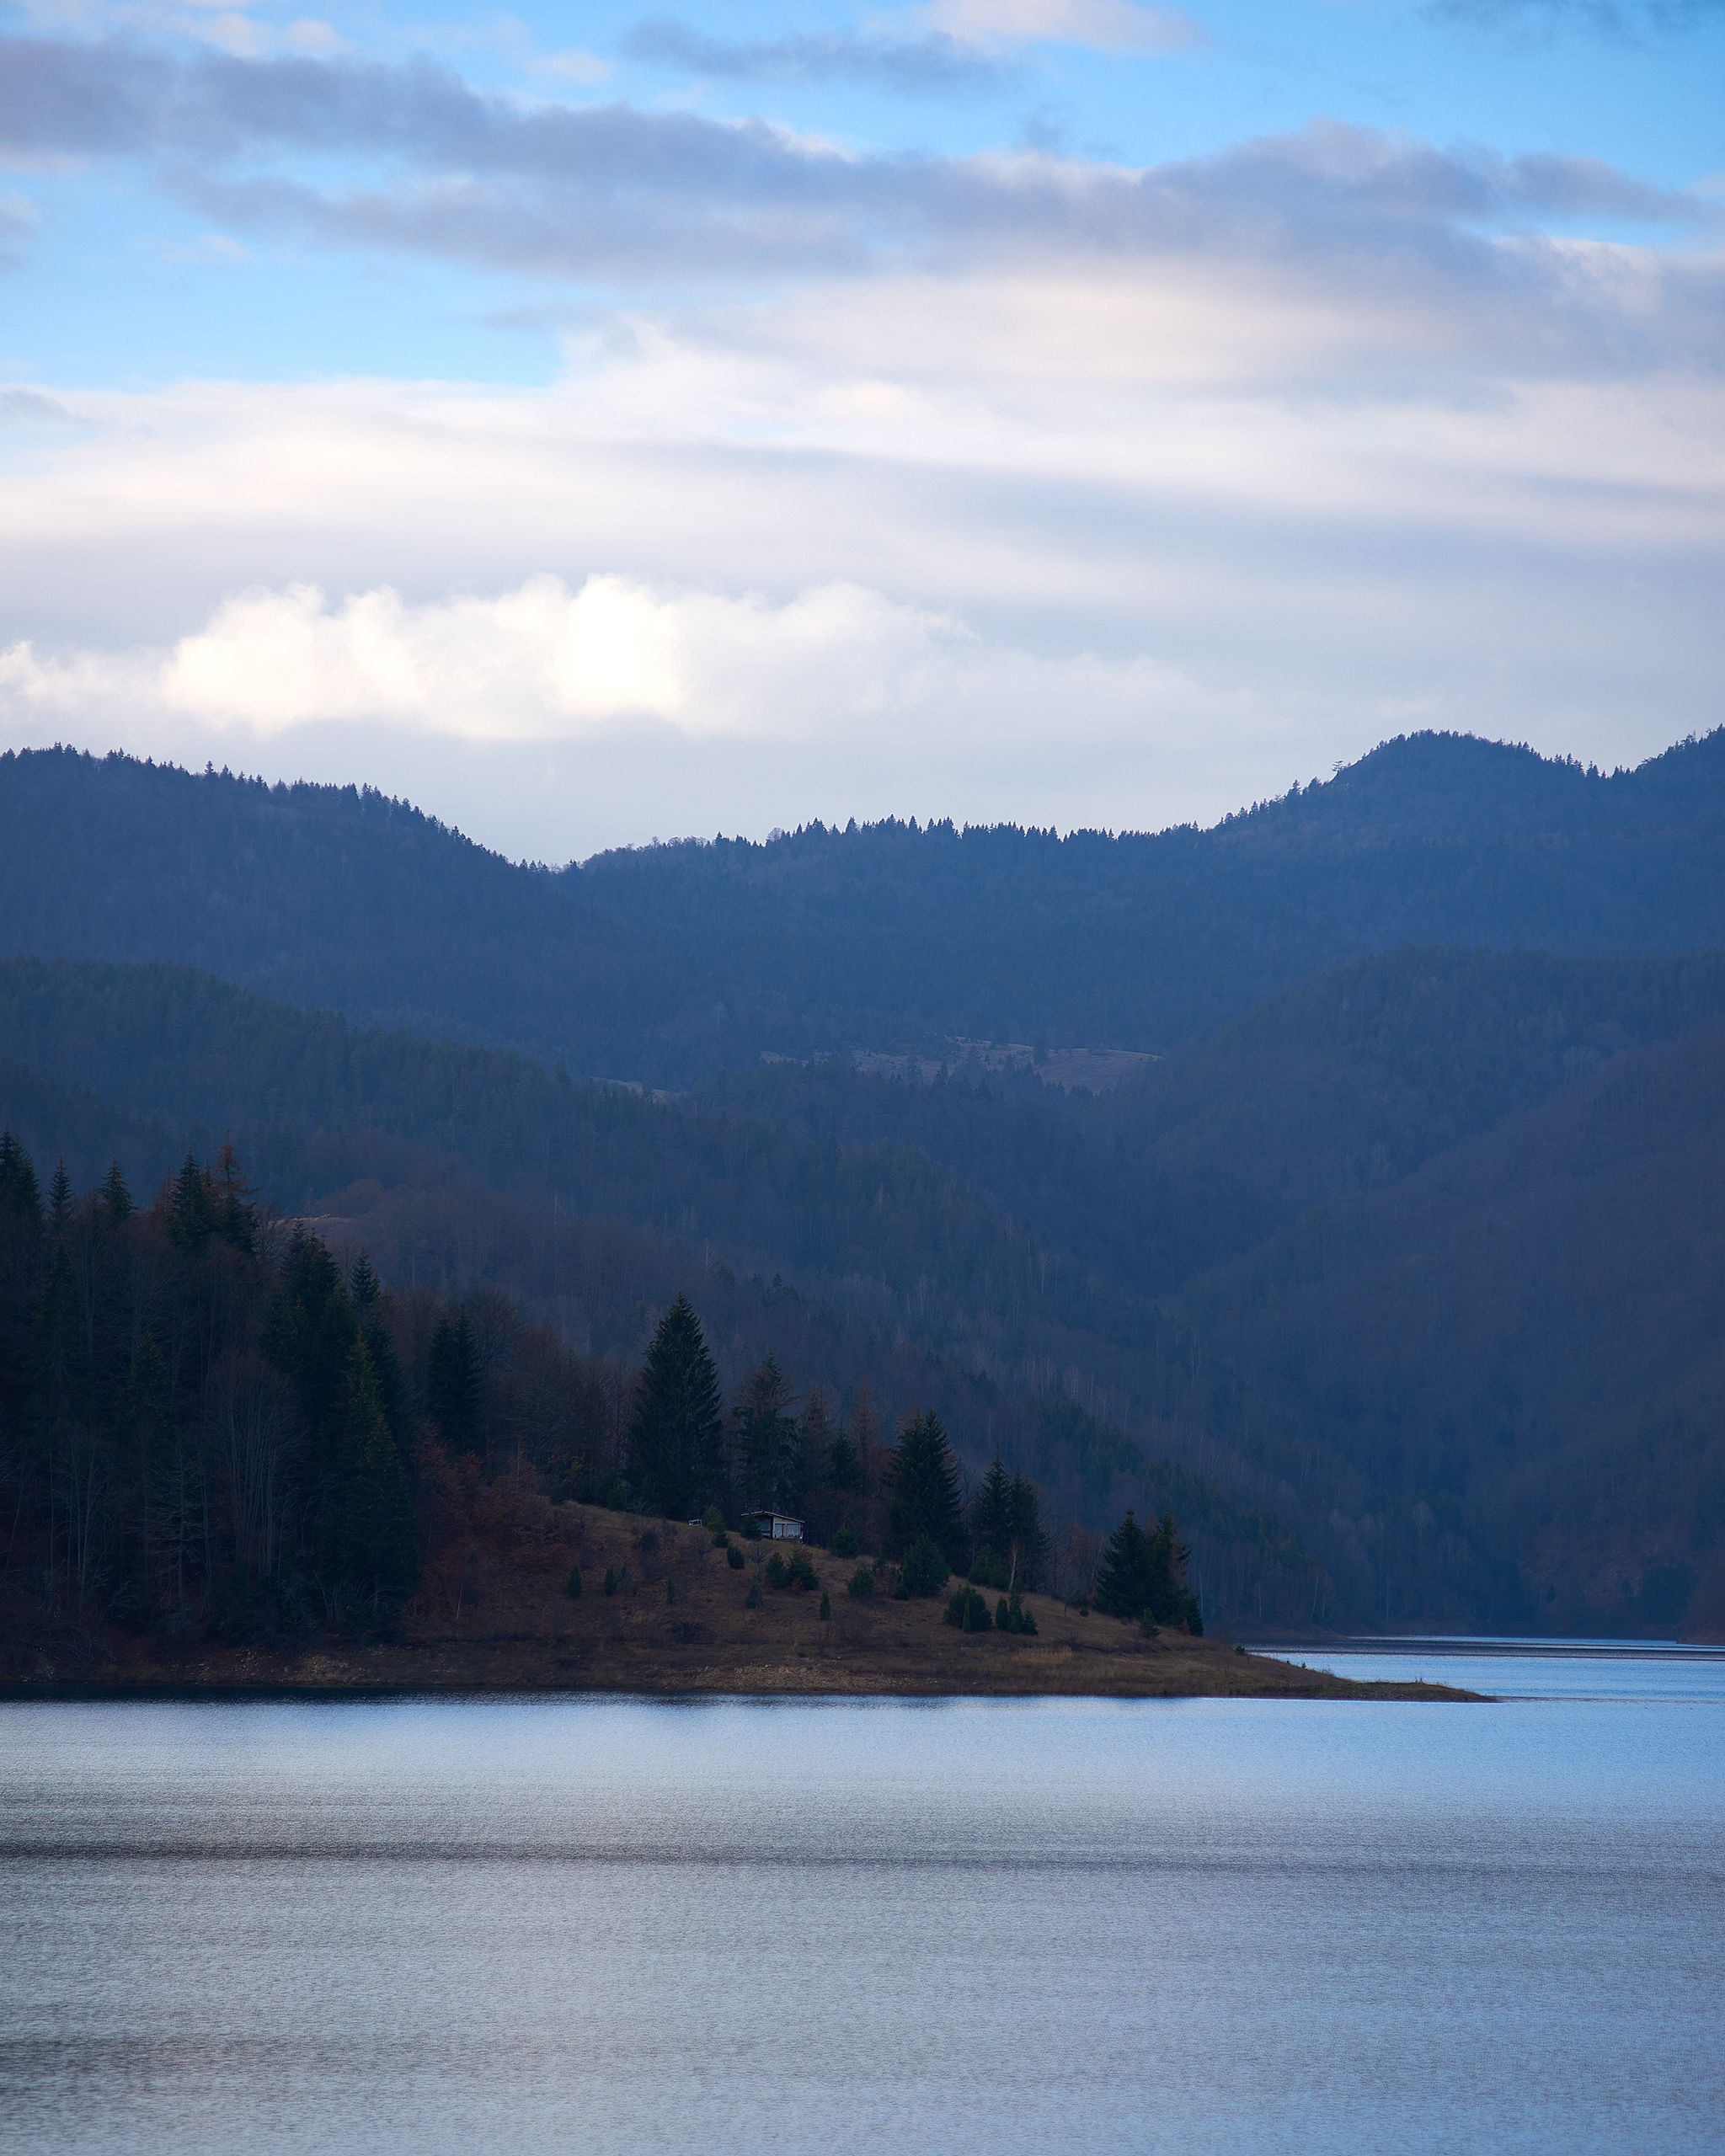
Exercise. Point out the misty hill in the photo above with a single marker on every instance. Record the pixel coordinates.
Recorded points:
(669, 963)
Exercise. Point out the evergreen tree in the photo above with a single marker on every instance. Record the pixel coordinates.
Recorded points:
(844, 1466)
(116, 1199)
(191, 1209)
(454, 1395)
(20, 1193)
(923, 1477)
(363, 1286)
(59, 1199)
(377, 1562)
(992, 1512)
(1143, 1575)
(1124, 1586)
(1029, 1546)
(816, 1438)
(308, 1334)
(394, 1396)
(675, 1439)
(767, 1444)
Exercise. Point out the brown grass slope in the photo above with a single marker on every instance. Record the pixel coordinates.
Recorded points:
(496, 1615)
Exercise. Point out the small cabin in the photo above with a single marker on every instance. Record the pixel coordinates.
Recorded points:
(777, 1527)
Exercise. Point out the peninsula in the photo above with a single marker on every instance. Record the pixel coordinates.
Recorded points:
(682, 1617)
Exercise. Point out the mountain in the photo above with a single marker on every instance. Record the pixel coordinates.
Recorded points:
(666, 964)
(1396, 1287)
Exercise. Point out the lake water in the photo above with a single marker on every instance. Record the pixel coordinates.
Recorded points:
(618, 1926)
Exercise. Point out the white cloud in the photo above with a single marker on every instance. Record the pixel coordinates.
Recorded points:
(1102, 26)
(545, 663)
(1113, 543)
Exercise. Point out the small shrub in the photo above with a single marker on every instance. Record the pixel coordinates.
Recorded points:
(777, 1572)
(572, 1585)
(613, 1579)
(1012, 1616)
(753, 1598)
(1148, 1625)
(862, 1585)
(967, 1610)
(647, 1541)
(721, 1539)
(800, 1573)
(714, 1520)
(924, 1571)
(825, 1603)
(1239, 1650)
(990, 1569)
(615, 1496)
(844, 1544)
(751, 1530)
(734, 1556)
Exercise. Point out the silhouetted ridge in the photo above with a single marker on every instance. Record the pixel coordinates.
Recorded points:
(666, 963)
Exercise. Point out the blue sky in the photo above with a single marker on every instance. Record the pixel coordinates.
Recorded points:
(599, 422)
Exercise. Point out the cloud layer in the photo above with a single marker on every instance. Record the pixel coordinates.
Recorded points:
(1006, 482)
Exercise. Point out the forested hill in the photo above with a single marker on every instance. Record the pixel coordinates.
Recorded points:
(667, 964)
(1419, 1260)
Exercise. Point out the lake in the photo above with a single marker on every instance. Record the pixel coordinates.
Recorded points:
(620, 1926)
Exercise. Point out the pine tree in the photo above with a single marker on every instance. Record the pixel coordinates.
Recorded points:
(454, 1396)
(59, 1199)
(675, 1455)
(20, 1193)
(116, 1199)
(308, 1334)
(377, 1563)
(815, 1438)
(766, 1444)
(192, 1210)
(844, 1466)
(991, 1513)
(363, 1285)
(1124, 1585)
(1028, 1548)
(923, 1477)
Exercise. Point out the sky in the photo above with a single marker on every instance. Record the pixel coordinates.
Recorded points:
(599, 423)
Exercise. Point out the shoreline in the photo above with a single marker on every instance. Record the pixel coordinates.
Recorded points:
(597, 1603)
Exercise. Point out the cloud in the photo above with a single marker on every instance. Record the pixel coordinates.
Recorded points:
(1000, 485)
(545, 663)
(1102, 26)
(609, 192)
(932, 65)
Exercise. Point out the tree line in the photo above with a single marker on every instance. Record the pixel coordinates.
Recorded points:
(211, 1427)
